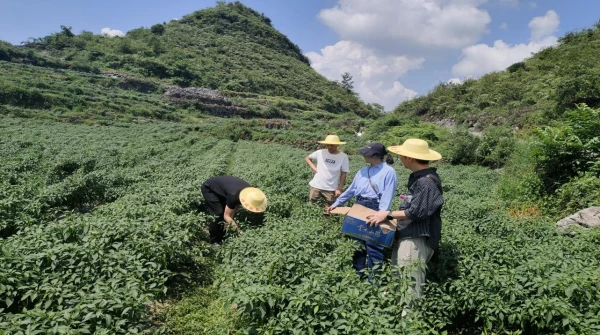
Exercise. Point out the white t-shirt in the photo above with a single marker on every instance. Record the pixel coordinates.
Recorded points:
(329, 169)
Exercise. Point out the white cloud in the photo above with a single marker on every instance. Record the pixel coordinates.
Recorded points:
(455, 81)
(544, 26)
(375, 77)
(401, 25)
(533, 4)
(111, 32)
(480, 59)
(504, 26)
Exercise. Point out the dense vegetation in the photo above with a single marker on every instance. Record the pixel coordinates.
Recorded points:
(102, 222)
(526, 93)
(229, 48)
(99, 221)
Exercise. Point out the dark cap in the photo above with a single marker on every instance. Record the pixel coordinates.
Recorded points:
(373, 149)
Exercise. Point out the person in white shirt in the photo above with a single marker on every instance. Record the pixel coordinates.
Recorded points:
(330, 171)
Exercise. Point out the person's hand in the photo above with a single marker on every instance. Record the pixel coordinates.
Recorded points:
(377, 218)
(329, 209)
(337, 193)
(234, 226)
(314, 171)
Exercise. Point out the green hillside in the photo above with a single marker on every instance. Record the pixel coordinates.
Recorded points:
(526, 93)
(103, 224)
(230, 48)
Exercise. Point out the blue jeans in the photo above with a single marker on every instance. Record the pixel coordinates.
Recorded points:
(373, 253)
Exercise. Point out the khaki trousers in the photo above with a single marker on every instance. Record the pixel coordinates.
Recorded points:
(412, 255)
(315, 194)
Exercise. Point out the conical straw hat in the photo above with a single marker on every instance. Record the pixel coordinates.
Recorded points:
(332, 139)
(253, 199)
(416, 148)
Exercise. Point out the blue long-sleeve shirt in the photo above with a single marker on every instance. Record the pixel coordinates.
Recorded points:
(383, 178)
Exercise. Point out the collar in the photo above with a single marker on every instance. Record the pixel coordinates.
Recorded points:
(421, 173)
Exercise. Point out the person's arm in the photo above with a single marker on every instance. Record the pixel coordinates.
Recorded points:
(389, 190)
(426, 200)
(228, 216)
(340, 187)
(345, 170)
(349, 193)
(308, 159)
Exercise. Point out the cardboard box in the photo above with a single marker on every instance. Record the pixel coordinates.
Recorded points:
(355, 225)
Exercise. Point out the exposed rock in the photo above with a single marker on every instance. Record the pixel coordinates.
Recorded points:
(210, 101)
(132, 83)
(277, 124)
(588, 218)
(196, 93)
(448, 123)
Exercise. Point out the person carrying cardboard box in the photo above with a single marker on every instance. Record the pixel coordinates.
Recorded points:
(419, 225)
(374, 187)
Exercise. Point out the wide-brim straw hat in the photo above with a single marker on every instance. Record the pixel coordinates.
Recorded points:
(253, 199)
(332, 139)
(416, 148)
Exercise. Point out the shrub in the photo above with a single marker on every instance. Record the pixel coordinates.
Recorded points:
(580, 192)
(460, 147)
(497, 144)
(569, 147)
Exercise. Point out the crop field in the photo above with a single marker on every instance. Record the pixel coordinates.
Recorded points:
(98, 224)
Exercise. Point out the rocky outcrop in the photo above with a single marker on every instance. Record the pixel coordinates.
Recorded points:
(132, 83)
(587, 218)
(209, 101)
(277, 124)
(198, 94)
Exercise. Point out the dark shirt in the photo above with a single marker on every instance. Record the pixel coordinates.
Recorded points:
(228, 188)
(423, 207)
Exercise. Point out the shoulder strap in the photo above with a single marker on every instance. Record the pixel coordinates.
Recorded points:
(371, 183)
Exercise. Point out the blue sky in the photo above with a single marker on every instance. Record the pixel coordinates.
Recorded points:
(394, 48)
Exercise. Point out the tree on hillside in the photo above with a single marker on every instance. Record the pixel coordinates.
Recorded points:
(347, 82)
(158, 29)
(67, 31)
(375, 106)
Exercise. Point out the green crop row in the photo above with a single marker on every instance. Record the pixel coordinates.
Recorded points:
(98, 223)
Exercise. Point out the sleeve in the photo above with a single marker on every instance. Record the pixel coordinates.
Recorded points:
(233, 200)
(314, 155)
(349, 193)
(426, 200)
(389, 190)
(346, 164)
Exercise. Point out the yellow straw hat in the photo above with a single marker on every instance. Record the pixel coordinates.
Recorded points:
(416, 148)
(332, 139)
(253, 199)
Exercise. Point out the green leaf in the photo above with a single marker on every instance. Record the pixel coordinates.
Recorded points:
(570, 289)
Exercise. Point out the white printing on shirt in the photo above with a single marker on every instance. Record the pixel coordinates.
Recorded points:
(329, 169)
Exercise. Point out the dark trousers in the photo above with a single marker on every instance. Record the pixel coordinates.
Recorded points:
(215, 205)
(372, 253)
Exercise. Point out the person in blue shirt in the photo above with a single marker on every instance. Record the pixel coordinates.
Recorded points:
(374, 187)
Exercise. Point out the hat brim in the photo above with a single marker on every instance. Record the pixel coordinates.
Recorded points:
(245, 201)
(432, 155)
(333, 143)
(365, 152)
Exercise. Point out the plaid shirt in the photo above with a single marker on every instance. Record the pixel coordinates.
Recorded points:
(423, 206)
